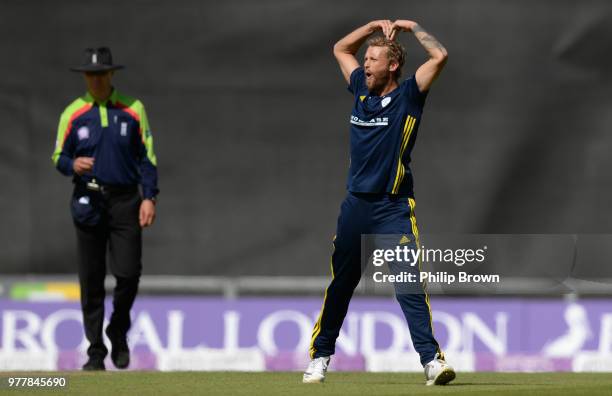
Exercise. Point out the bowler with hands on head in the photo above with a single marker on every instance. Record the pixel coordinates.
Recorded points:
(105, 144)
(383, 127)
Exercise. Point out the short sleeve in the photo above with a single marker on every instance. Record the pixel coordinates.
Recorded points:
(357, 81)
(412, 92)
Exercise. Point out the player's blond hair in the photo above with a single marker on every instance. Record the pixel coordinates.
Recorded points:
(395, 51)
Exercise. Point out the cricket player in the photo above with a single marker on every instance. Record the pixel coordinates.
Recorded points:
(383, 129)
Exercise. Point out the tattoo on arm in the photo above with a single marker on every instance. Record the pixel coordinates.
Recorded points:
(427, 40)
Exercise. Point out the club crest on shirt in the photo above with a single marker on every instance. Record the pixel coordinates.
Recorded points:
(385, 101)
(83, 133)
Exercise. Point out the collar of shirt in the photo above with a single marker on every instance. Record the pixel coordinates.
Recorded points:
(114, 96)
(102, 105)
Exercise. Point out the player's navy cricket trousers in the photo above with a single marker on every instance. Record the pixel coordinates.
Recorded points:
(362, 213)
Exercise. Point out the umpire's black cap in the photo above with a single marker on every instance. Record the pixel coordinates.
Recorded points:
(97, 60)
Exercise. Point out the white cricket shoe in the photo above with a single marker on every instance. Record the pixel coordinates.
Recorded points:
(315, 373)
(437, 372)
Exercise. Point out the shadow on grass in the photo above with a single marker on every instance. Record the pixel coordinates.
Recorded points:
(492, 384)
(451, 385)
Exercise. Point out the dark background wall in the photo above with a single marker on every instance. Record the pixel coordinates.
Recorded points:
(249, 114)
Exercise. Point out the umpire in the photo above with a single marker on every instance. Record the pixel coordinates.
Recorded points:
(104, 143)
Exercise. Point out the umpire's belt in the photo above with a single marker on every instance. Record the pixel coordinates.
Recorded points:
(109, 189)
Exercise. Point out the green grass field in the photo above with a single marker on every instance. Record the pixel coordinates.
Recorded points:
(372, 384)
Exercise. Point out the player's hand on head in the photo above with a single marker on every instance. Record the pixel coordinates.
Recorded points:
(383, 25)
(401, 25)
(81, 165)
(393, 34)
(146, 216)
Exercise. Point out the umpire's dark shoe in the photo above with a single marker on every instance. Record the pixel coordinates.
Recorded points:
(120, 353)
(95, 363)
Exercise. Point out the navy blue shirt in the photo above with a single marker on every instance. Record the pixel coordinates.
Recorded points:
(116, 133)
(383, 133)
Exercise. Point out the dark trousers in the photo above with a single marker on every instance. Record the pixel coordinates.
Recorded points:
(119, 232)
(371, 214)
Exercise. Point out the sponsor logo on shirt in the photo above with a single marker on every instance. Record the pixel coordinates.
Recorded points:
(378, 121)
(385, 101)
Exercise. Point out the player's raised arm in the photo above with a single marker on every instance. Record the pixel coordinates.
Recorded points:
(428, 71)
(347, 47)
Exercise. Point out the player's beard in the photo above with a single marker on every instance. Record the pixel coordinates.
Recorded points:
(376, 83)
